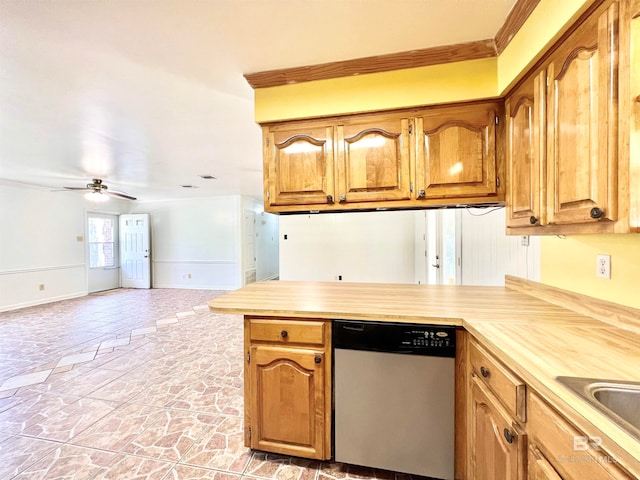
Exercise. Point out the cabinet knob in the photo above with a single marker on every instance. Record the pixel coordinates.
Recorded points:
(508, 436)
(343, 198)
(422, 194)
(596, 213)
(329, 198)
(533, 220)
(485, 372)
(318, 359)
(284, 334)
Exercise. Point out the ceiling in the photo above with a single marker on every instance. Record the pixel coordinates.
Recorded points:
(149, 94)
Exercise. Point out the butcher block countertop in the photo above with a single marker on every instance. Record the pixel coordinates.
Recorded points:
(537, 339)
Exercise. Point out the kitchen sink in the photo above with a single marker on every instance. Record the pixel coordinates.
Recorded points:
(619, 400)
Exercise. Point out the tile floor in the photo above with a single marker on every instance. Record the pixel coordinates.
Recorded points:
(133, 384)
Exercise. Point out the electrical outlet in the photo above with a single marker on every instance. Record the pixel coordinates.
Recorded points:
(41, 287)
(604, 266)
(524, 240)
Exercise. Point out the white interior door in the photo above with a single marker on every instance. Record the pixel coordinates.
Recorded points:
(135, 250)
(443, 242)
(102, 243)
(249, 246)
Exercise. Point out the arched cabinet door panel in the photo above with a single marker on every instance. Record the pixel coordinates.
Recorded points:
(456, 152)
(373, 160)
(526, 153)
(298, 165)
(582, 124)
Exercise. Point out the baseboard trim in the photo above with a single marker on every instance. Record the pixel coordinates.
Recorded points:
(41, 301)
(194, 287)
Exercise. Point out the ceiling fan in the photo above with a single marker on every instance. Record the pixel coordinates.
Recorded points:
(97, 187)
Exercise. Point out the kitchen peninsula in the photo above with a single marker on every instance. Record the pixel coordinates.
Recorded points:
(525, 334)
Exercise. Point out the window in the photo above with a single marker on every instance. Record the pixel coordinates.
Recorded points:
(101, 242)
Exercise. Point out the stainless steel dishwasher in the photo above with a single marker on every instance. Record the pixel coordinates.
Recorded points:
(394, 396)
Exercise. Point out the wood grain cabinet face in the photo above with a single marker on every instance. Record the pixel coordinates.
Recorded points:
(298, 165)
(373, 161)
(497, 446)
(539, 467)
(582, 123)
(456, 152)
(574, 454)
(526, 155)
(288, 400)
(288, 386)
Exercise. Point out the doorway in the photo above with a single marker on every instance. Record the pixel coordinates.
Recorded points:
(135, 248)
(249, 246)
(103, 252)
(443, 247)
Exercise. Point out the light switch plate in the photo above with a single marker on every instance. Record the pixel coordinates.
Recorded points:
(603, 268)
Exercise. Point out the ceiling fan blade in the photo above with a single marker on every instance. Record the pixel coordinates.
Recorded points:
(120, 194)
(76, 188)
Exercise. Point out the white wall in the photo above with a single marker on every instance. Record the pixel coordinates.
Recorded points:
(267, 249)
(390, 247)
(267, 246)
(196, 242)
(488, 254)
(42, 241)
(360, 246)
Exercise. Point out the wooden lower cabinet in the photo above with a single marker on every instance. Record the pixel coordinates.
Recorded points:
(288, 387)
(572, 453)
(498, 445)
(539, 467)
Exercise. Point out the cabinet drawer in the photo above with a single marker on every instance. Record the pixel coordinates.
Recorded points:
(572, 453)
(507, 387)
(288, 331)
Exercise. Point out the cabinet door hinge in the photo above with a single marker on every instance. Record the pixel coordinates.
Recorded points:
(410, 129)
(267, 143)
(497, 120)
(411, 187)
(268, 194)
(249, 433)
(248, 357)
(497, 181)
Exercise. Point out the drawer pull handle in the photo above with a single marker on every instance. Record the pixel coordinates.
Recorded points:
(284, 334)
(318, 359)
(485, 372)
(508, 436)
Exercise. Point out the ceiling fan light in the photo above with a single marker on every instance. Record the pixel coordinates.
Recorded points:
(96, 196)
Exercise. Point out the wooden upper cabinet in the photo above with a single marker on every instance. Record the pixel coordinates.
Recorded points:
(373, 160)
(582, 123)
(288, 403)
(456, 151)
(298, 165)
(526, 155)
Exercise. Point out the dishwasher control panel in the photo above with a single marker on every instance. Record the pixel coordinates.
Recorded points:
(407, 338)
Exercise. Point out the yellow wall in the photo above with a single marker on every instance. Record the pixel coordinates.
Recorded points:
(570, 264)
(454, 82)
